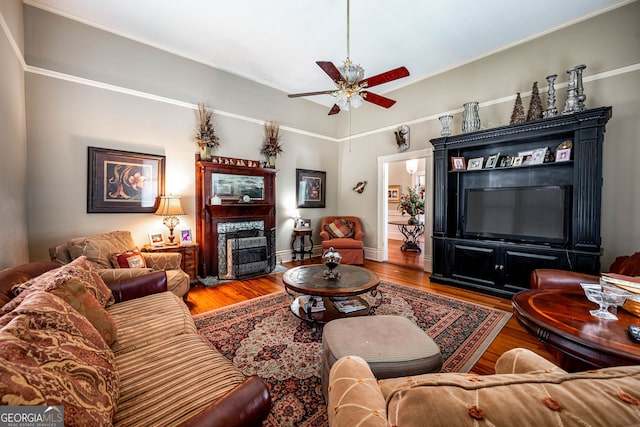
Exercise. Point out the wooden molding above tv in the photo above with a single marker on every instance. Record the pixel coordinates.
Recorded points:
(502, 266)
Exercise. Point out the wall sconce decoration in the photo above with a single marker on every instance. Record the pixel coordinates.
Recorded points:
(170, 208)
(359, 188)
(402, 138)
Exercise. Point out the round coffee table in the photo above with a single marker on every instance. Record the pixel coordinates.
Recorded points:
(309, 280)
(560, 318)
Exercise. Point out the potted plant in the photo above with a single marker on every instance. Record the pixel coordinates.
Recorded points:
(412, 204)
(272, 146)
(206, 137)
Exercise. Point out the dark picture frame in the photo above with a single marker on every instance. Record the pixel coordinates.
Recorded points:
(123, 181)
(310, 188)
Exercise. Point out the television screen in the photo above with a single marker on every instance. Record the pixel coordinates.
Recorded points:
(536, 214)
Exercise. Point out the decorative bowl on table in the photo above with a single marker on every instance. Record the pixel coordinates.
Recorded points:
(605, 296)
(331, 258)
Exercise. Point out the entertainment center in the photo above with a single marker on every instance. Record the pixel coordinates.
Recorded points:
(496, 223)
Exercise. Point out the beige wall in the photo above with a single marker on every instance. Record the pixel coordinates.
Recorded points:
(148, 109)
(13, 140)
(608, 44)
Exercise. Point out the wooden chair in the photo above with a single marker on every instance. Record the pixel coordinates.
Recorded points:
(350, 248)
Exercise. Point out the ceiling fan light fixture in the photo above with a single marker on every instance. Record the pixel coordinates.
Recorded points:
(351, 73)
(356, 100)
(342, 101)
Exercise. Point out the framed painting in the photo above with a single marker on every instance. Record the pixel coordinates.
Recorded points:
(311, 188)
(123, 182)
(394, 194)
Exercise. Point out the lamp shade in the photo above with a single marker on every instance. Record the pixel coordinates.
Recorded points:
(170, 206)
(412, 165)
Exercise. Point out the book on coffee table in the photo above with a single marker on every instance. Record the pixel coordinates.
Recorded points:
(349, 306)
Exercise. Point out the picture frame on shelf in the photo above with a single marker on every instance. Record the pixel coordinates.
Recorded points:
(123, 181)
(458, 163)
(185, 236)
(394, 194)
(492, 161)
(475, 164)
(303, 223)
(526, 157)
(156, 239)
(563, 155)
(505, 162)
(537, 157)
(311, 188)
(517, 161)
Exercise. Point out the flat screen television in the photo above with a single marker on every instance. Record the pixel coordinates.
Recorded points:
(522, 214)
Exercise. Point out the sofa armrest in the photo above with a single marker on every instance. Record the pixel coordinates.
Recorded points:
(359, 235)
(324, 235)
(549, 278)
(162, 260)
(248, 404)
(354, 395)
(523, 361)
(139, 286)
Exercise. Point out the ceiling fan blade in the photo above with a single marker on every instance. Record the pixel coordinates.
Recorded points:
(377, 99)
(331, 70)
(385, 77)
(322, 92)
(334, 110)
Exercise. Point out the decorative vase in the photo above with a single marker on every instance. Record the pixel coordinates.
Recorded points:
(272, 161)
(412, 220)
(205, 153)
(470, 117)
(445, 121)
(331, 258)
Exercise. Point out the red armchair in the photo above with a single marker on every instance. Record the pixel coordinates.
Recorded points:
(350, 247)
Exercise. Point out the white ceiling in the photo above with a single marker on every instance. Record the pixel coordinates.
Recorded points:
(276, 42)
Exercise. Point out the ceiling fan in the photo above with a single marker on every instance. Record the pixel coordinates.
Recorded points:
(351, 86)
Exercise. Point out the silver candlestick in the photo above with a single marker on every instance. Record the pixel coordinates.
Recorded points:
(579, 87)
(571, 106)
(551, 110)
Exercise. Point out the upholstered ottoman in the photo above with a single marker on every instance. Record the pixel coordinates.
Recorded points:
(393, 346)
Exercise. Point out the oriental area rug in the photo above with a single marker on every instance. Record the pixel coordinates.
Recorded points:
(262, 337)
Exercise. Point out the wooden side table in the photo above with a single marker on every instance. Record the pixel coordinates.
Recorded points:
(301, 233)
(189, 251)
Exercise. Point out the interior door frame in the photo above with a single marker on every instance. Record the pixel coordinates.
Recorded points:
(383, 217)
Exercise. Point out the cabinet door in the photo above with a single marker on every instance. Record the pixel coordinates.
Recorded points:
(520, 262)
(474, 263)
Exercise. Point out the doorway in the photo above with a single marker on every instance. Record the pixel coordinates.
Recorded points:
(394, 168)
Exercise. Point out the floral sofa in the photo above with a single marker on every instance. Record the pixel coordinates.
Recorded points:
(108, 252)
(127, 354)
(527, 390)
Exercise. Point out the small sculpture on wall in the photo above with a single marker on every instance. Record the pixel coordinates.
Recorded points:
(359, 188)
(402, 138)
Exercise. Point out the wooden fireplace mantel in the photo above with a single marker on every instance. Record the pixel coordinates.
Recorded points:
(208, 216)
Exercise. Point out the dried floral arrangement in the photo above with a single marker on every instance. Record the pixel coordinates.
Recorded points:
(206, 133)
(272, 146)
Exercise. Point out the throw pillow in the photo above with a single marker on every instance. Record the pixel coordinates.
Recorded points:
(76, 295)
(129, 259)
(79, 269)
(339, 228)
(51, 355)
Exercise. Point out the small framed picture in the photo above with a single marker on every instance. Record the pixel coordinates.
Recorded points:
(458, 163)
(156, 239)
(526, 157)
(185, 236)
(303, 223)
(475, 163)
(492, 160)
(563, 155)
(517, 161)
(394, 194)
(537, 158)
(505, 162)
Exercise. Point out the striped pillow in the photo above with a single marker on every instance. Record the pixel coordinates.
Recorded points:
(339, 228)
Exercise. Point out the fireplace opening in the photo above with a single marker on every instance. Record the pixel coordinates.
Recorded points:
(245, 250)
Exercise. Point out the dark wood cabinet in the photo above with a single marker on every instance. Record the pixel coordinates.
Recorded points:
(502, 265)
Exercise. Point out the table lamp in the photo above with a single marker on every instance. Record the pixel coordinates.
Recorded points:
(170, 208)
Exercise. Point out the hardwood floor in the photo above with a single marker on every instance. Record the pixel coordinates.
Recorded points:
(402, 267)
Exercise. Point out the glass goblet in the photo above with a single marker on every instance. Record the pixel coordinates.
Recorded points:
(605, 298)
